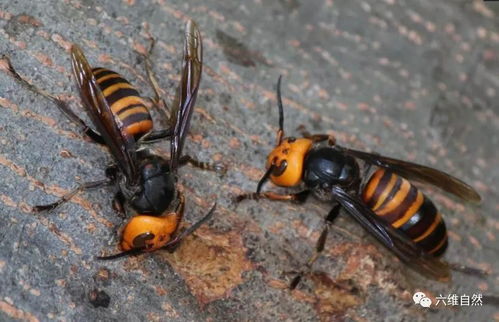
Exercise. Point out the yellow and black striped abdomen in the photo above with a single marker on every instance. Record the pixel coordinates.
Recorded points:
(402, 205)
(124, 101)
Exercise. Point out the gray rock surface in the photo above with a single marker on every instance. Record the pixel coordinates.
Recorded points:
(411, 79)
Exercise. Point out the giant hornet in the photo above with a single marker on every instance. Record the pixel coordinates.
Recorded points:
(384, 202)
(146, 181)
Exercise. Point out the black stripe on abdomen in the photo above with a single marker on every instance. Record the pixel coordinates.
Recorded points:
(421, 220)
(135, 118)
(112, 81)
(435, 238)
(380, 188)
(119, 94)
(100, 72)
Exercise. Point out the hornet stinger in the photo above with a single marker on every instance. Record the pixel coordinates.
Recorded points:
(382, 201)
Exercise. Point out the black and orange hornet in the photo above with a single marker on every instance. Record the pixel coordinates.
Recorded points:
(384, 202)
(147, 182)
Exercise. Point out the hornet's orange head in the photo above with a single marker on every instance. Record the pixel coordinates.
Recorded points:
(287, 161)
(146, 233)
(149, 233)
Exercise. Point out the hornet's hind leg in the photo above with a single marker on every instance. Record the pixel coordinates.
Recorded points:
(319, 247)
(61, 105)
(157, 100)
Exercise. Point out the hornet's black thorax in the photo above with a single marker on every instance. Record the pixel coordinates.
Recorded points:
(325, 167)
(157, 187)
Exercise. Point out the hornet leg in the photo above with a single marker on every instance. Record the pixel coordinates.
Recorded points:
(173, 244)
(71, 194)
(61, 105)
(469, 270)
(299, 197)
(319, 247)
(157, 101)
(119, 204)
(216, 167)
(331, 140)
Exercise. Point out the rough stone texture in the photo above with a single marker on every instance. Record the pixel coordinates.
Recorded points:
(411, 79)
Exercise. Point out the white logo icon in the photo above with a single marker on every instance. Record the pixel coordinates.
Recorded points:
(421, 299)
(417, 297)
(425, 302)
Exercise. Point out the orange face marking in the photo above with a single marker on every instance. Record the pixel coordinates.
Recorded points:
(293, 153)
(150, 232)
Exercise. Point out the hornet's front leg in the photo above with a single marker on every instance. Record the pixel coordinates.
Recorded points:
(71, 194)
(216, 167)
(316, 138)
(119, 201)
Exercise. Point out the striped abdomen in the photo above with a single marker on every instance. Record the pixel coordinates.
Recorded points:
(407, 209)
(124, 101)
